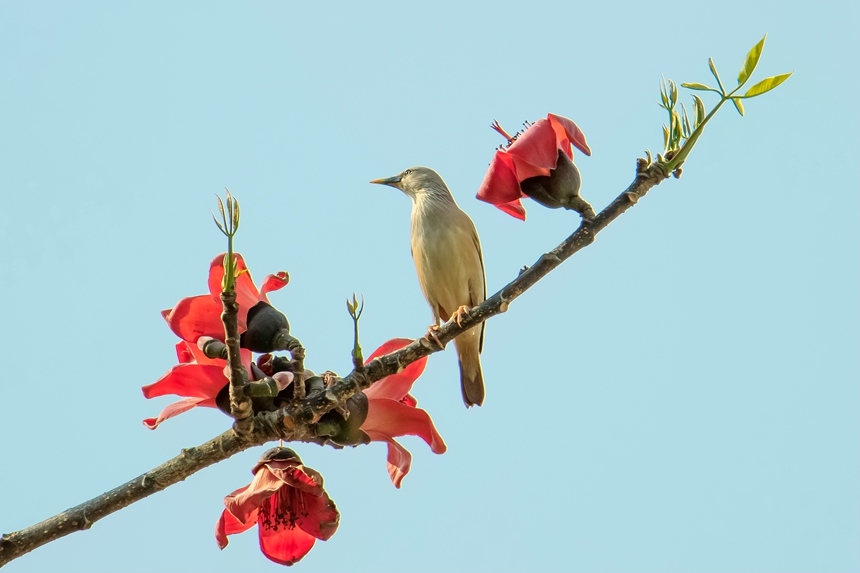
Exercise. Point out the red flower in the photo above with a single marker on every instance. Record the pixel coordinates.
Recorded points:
(392, 412)
(197, 316)
(534, 153)
(287, 502)
(197, 377)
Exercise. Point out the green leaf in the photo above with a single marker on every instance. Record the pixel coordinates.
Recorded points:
(738, 105)
(751, 61)
(716, 75)
(665, 137)
(700, 110)
(676, 128)
(766, 85)
(686, 129)
(221, 207)
(695, 86)
(663, 97)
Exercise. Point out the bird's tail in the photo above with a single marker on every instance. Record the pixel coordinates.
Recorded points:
(471, 376)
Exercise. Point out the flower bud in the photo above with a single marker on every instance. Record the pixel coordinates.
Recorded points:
(268, 329)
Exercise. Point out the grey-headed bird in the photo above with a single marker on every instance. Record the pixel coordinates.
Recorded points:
(447, 254)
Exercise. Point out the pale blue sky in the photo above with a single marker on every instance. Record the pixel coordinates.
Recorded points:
(682, 396)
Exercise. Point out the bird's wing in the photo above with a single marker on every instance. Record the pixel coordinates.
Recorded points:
(478, 292)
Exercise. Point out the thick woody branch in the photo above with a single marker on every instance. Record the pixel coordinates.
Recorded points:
(647, 176)
(295, 423)
(240, 404)
(86, 514)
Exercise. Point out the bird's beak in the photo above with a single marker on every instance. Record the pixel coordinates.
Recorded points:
(392, 181)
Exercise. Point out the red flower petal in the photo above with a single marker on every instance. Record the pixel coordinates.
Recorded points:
(388, 347)
(566, 129)
(184, 352)
(244, 501)
(395, 386)
(273, 282)
(285, 545)
(297, 476)
(190, 380)
(322, 517)
(228, 525)
(399, 458)
(247, 294)
(393, 418)
(500, 184)
(535, 152)
(196, 316)
(514, 209)
(177, 408)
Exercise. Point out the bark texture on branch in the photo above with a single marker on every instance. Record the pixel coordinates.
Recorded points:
(296, 422)
(83, 516)
(240, 404)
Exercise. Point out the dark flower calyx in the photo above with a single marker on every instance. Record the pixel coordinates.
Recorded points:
(278, 453)
(559, 189)
(346, 431)
(268, 329)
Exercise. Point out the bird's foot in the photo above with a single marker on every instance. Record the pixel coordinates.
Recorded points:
(432, 335)
(459, 314)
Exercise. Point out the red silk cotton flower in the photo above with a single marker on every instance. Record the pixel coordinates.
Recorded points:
(197, 316)
(527, 166)
(393, 412)
(287, 502)
(197, 377)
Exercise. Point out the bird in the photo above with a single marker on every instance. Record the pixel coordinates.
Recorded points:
(450, 265)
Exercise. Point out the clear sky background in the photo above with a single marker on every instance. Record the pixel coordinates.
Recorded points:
(682, 396)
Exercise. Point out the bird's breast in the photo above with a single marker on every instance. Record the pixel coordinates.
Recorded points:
(446, 259)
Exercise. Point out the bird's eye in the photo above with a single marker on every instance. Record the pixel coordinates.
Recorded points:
(407, 172)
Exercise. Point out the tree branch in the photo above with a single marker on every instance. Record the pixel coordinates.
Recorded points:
(295, 423)
(240, 404)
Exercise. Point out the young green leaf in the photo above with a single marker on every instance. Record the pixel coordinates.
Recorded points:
(766, 85)
(738, 105)
(665, 137)
(676, 129)
(686, 129)
(221, 208)
(700, 109)
(751, 61)
(697, 86)
(716, 75)
(214, 218)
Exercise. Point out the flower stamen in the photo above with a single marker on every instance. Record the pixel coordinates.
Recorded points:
(498, 128)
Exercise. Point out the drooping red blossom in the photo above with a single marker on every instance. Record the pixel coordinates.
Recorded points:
(393, 412)
(197, 316)
(197, 377)
(533, 153)
(287, 502)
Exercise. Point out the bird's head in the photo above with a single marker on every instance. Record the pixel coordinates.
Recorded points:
(419, 183)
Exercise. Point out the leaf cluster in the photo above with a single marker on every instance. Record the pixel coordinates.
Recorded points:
(681, 134)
